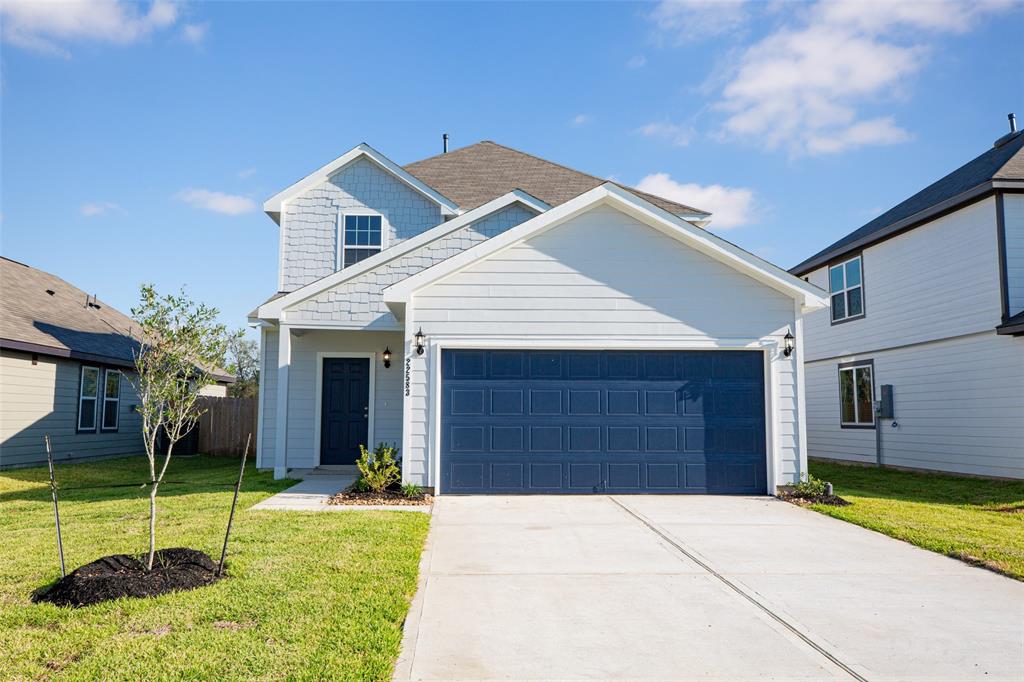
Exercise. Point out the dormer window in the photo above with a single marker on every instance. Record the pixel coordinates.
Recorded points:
(359, 237)
(846, 286)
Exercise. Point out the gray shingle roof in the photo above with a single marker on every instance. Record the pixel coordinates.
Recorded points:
(63, 323)
(1004, 162)
(473, 175)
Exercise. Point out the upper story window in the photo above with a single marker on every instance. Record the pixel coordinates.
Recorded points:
(846, 285)
(88, 390)
(361, 236)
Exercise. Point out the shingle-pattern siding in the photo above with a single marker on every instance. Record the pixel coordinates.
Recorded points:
(360, 301)
(310, 241)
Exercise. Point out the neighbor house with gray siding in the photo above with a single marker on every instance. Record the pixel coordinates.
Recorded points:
(65, 359)
(517, 326)
(928, 299)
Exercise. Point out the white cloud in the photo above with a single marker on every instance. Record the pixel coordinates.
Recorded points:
(691, 20)
(636, 62)
(46, 26)
(195, 33)
(730, 206)
(95, 208)
(580, 120)
(803, 87)
(218, 202)
(674, 133)
(246, 173)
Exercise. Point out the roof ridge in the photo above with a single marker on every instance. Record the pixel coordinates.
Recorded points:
(555, 164)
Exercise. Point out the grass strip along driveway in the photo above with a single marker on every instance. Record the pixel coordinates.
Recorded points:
(976, 520)
(309, 595)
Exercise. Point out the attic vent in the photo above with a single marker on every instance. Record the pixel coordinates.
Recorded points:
(51, 292)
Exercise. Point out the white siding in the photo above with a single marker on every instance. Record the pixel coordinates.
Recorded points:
(302, 394)
(933, 282)
(1013, 207)
(42, 399)
(602, 278)
(214, 390)
(309, 222)
(959, 406)
(359, 301)
(603, 273)
(268, 399)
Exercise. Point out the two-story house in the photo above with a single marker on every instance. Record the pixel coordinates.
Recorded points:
(928, 299)
(516, 326)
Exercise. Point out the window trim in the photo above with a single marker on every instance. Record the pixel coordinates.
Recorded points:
(117, 409)
(846, 299)
(339, 256)
(95, 398)
(853, 367)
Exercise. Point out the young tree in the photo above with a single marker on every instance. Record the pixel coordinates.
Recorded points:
(244, 363)
(179, 343)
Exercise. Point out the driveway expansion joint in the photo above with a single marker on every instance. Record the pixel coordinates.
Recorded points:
(692, 556)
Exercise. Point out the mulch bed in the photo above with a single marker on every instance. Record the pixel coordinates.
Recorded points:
(391, 496)
(802, 501)
(121, 575)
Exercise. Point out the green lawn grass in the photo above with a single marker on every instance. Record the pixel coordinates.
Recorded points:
(977, 520)
(310, 595)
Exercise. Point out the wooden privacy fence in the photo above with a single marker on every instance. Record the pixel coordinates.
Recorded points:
(225, 425)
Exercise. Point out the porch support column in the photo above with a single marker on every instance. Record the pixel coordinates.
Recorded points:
(284, 361)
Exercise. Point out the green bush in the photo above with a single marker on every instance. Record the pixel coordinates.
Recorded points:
(411, 491)
(810, 487)
(379, 468)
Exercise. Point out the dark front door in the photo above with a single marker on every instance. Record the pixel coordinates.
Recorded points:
(574, 421)
(345, 409)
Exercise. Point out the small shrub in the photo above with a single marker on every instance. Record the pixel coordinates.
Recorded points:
(810, 487)
(379, 468)
(360, 486)
(411, 491)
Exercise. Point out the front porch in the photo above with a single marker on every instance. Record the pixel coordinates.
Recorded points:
(325, 393)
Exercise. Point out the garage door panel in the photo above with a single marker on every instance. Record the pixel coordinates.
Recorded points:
(602, 421)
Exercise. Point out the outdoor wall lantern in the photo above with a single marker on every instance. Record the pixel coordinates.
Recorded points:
(789, 343)
(386, 356)
(420, 336)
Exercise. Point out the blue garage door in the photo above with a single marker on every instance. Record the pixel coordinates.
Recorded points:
(602, 422)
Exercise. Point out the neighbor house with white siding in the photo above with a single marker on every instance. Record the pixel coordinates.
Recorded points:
(927, 308)
(516, 326)
(65, 360)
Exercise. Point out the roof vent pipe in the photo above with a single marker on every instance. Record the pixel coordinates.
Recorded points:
(444, 139)
(1013, 126)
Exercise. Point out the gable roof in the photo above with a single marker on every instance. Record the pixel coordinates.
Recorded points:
(272, 206)
(476, 174)
(1002, 166)
(272, 308)
(668, 223)
(66, 323)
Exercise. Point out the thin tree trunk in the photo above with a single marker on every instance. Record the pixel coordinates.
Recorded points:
(152, 527)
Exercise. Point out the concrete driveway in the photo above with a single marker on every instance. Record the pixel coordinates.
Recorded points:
(721, 588)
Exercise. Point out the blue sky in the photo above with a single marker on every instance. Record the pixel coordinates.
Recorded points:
(138, 141)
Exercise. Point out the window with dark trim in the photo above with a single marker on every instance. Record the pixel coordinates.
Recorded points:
(857, 395)
(360, 236)
(88, 393)
(846, 287)
(111, 399)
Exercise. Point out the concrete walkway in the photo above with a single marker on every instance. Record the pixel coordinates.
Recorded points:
(309, 494)
(681, 588)
(316, 487)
